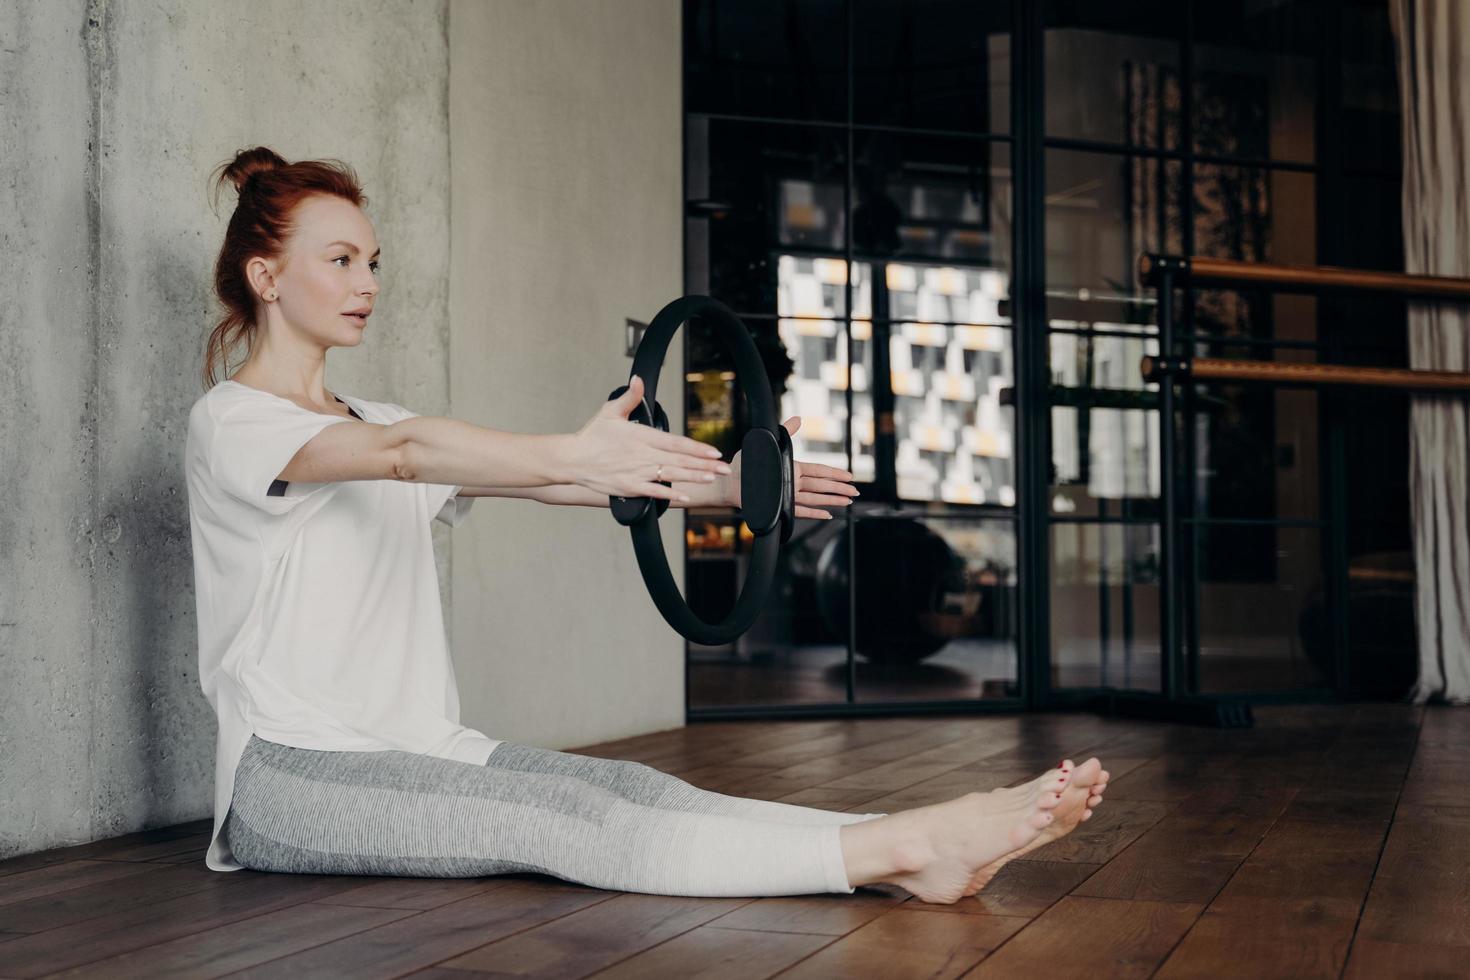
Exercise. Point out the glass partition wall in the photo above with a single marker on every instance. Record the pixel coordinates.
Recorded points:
(916, 270)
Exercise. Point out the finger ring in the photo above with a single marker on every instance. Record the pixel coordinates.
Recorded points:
(659, 476)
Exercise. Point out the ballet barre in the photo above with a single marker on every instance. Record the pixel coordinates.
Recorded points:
(1201, 270)
(1298, 374)
(1165, 273)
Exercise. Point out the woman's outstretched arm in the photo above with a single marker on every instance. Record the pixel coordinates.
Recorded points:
(817, 485)
(435, 449)
(570, 494)
(607, 455)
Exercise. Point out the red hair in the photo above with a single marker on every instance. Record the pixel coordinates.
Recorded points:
(269, 191)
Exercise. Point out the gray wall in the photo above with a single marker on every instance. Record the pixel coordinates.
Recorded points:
(566, 201)
(120, 110)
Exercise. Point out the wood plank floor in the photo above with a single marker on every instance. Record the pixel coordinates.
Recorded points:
(1328, 841)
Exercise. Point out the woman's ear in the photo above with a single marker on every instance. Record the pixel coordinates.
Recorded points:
(261, 274)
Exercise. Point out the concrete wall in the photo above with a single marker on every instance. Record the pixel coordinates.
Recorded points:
(120, 110)
(566, 200)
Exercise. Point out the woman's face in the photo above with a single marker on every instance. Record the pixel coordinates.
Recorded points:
(330, 270)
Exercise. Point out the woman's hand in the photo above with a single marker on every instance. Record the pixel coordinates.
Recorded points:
(817, 486)
(620, 458)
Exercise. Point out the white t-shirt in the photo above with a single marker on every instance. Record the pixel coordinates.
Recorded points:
(319, 617)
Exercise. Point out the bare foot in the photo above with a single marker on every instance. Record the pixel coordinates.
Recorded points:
(933, 852)
(1082, 794)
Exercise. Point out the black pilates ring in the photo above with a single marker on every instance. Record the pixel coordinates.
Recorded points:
(767, 473)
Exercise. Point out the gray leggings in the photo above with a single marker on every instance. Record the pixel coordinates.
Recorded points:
(600, 822)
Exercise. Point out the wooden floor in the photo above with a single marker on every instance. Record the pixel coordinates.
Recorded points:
(1328, 841)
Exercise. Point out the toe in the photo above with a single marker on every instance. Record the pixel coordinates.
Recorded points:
(1039, 819)
(1062, 778)
(1049, 799)
(1088, 773)
(1086, 814)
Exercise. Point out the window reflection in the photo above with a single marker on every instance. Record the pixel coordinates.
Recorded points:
(815, 287)
(1262, 614)
(932, 64)
(1256, 445)
(1105, 605)
(1255, 79)
(1369, 91)
(935, 612)
(791, 654)
(1255, 215)
(816, 392)
(1112, 71)
(751, 189)
(915, 336)
(935, 603)
(944, 294)
(952, 435)
(1380, 606)
(930, 197)
(1102, 210)
(715, 409)
(1104, 418)
(810, 213)
(779, 60)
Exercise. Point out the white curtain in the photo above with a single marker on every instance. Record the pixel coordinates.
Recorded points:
(1432, 38)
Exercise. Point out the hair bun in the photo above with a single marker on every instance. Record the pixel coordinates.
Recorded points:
(248, 163)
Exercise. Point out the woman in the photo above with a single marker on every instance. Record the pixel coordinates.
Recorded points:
(321, 643)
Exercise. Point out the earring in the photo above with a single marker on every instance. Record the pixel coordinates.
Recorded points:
(271, 297)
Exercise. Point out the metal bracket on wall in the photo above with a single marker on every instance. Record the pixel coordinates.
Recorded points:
(633, 332)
